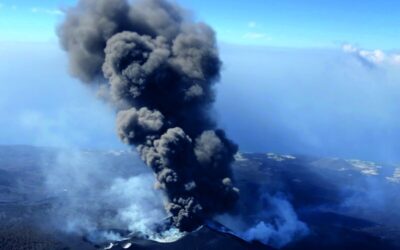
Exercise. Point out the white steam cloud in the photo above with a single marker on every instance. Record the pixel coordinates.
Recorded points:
(93, 196)
(277, 224)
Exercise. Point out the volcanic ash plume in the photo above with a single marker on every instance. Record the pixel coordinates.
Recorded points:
(158, 68)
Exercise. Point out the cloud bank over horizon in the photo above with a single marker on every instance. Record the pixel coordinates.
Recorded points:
(312, 101)
(329, 102)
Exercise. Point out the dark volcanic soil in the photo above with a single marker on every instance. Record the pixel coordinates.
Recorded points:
(309, 182)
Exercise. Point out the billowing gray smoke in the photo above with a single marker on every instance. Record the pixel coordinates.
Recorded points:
(158, 68)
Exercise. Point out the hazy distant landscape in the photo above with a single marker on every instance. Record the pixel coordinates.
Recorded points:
(333, 197)
(198, 124)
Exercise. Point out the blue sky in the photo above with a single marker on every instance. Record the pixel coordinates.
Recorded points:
(285, 23)
(300, 89)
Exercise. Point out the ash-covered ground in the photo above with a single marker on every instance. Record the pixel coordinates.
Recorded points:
(287, 202)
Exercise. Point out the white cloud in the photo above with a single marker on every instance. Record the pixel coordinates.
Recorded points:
(47, 11)
(396, 176)
(256, 36)
(396, 58)
(252, 24)
(349, 48)
(374, 57)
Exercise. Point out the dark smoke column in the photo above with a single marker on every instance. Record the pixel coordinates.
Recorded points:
(158, 68)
